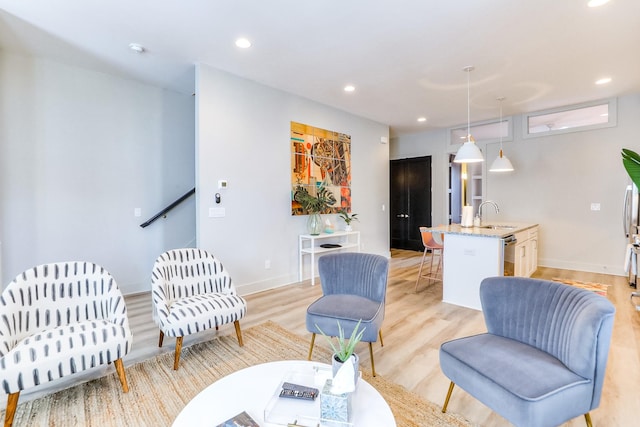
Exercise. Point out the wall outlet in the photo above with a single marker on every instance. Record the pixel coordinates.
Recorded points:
(595, 206)
(267, 264)
(137, 212)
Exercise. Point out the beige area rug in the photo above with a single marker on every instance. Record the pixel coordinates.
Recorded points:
(157, 393)
(598, 288)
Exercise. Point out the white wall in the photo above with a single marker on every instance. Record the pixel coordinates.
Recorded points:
(556, 179)
(242, 135)
(79, 150)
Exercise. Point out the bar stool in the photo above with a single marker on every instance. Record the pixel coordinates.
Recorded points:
(430, 244)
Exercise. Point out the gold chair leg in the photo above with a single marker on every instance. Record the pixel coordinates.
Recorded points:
(121, 375)
(380, 335)
(313, 340)
(12, 404)
(161, 339)
(373, 366)
(176, 359)
(238, 332)
(424, 254)
(587, 418)
(446, 400)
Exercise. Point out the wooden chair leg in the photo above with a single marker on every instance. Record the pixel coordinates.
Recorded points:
(161, 339)
(446, 400)
(12, 404)
(238, 332)
(121, 375)
(380, 335)
(587, 418)
(313, 340)
(176, 359)
(373, 366)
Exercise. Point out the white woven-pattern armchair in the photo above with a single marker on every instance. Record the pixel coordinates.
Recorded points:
(57, 320)
(192, 292)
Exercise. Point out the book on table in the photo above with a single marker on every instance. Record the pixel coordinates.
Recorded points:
(241, 420)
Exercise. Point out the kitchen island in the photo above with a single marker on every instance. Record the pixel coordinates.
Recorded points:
(474, 253)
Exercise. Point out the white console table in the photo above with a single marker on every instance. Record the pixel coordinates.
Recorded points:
(310, 245)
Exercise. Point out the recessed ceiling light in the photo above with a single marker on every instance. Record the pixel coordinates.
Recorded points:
(349, 88)
(243, 43)
(422, 119)
(596, 3)
(603, 81)
(137, 48)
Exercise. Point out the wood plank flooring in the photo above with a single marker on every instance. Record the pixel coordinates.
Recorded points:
(415, 325)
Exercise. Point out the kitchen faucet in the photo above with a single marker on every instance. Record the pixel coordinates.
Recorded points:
(490, 202)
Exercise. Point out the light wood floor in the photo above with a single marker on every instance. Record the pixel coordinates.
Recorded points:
(415, 325)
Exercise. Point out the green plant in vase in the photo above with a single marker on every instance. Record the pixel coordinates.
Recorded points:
(343, 349)
(347, 218)
(314, 205)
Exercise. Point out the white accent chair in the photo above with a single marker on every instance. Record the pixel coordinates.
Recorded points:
(192, 292)
(57, 320)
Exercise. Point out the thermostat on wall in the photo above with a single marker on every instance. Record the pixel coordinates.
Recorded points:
(222, 184)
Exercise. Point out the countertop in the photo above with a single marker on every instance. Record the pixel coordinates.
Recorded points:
(502, 229)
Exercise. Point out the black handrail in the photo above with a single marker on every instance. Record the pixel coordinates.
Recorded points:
(168, 208)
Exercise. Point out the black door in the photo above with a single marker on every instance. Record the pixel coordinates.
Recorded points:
(410, 201)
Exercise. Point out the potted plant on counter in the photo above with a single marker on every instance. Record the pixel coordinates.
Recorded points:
(347, 218)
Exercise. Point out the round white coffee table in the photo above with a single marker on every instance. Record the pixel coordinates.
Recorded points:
(252, 390)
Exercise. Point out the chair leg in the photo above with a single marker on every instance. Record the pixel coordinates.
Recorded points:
(12, 404)
(433, 253)
(587, 418)
(161, 339)
(238, 332)
(380, 335)
(176, 359)
(446, 400)
(313, 340)
(121, 375)
(373, 366)
(424, 254)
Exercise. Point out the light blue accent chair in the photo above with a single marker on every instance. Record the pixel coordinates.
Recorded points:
(543, 359)
(354, 287)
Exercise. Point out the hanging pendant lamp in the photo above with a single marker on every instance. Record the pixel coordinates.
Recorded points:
(469, 152)
(501, 163)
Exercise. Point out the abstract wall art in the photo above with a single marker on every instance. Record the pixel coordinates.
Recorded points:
(320, 158)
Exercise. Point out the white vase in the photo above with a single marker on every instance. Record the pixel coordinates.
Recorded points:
(337, 363)
(348, 228)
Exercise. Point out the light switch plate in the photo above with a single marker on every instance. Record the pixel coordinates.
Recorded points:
(216, 212)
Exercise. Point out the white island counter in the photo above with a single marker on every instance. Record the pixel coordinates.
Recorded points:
(474, 253)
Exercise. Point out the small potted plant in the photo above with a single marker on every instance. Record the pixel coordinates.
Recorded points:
(347, 218)
(343, 350)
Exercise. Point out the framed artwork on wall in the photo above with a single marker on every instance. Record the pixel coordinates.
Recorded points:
(320, 158)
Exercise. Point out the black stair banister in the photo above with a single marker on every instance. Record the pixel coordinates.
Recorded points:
(168, 208)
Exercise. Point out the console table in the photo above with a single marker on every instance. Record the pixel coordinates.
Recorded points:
(310, 245)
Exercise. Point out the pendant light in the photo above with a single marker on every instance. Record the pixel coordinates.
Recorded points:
(501, 163)
(469, 152)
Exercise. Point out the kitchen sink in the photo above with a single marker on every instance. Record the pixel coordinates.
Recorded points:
(499, 227)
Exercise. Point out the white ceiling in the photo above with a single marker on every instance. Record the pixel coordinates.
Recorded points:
(405, 57)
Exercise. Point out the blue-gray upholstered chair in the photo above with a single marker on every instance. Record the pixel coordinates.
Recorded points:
(192, 292)
(354, 287)
(57, 320)
(543, 359)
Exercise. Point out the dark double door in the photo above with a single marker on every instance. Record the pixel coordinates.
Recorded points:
(410, 201)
